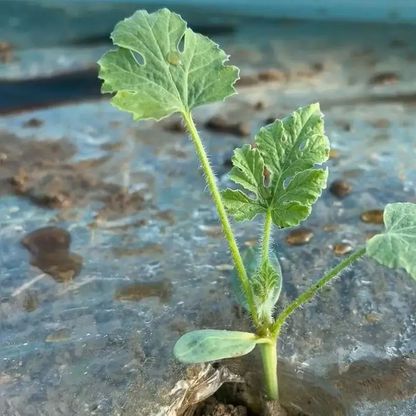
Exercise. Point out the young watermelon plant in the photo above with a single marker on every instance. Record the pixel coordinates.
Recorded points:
(168, 80)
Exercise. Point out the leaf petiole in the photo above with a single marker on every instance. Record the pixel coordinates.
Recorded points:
(266, 236)
(311, 291)
(225, 223)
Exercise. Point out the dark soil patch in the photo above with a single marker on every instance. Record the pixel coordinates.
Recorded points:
(49, 249)
(235, 399)
(44, 173)
(306, 394)
(212, 407)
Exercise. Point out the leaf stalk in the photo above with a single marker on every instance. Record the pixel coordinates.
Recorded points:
(222, 214)
(311, 291)
(266, 236)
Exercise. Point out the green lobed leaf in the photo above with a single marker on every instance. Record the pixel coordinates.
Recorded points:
(239, 205)
(265, 282)
(206, 345)
(396, 248)
(169, 80)
(289, 149)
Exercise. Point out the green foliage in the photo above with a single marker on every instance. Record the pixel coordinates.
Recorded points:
(396, 248)
(211, 345)
(152, 77)
(265, 282)
(169, 80)
(288, 149)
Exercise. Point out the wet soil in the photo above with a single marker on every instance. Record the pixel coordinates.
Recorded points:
(304, 394)
(49, 249)
(44, 172)
(222, 407)
(138, 291)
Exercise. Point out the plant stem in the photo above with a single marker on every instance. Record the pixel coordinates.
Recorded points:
(269, 359)
(266, 236)
(222, 214)
(311, 291)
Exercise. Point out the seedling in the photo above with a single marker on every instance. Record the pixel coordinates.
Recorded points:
(168, 79)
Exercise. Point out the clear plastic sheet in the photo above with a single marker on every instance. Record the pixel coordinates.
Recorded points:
(154, 267)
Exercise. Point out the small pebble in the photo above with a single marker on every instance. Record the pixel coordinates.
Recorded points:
(384, 78)
(373, 216)
(299, 236)
(342, 248)
(340, 188)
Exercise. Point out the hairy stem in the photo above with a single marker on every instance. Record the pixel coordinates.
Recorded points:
(311, 291)
(229, 235)
(269, 359)
(266, 236)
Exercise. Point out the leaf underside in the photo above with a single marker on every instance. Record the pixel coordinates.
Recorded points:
(265, 283)
(152, 78)
(396, 248)
(211, 345)
(288, 149)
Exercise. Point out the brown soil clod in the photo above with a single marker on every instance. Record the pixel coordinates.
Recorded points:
(138, 291)
(299, 236)
(44, 172)
(384, 78)
(221, 124)
(174, 126)
(340, 188)
(263, 76)
(49, 249)
(6, 52)
(33, 122)
(272, 74)
(342, 248)
(373, 216)
(213, 408)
